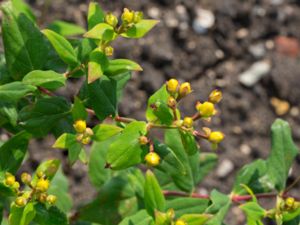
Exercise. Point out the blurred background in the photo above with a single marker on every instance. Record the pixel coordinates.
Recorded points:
(247, 48)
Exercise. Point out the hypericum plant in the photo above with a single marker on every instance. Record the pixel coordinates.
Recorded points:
(122, 149)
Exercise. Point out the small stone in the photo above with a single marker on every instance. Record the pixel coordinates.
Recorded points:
(281, 107)
(205, 19)
(245, 149)
(270, 44)
(294, 111)
(242, 33)
(258, 70)
(154, 12)
(225, 168)
(257, 50)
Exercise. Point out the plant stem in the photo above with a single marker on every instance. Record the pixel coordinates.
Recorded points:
(123, 119)
(69, 73)
(46, 91)
(234, 198)
(199, 135)
(161, 126)
(292, 185)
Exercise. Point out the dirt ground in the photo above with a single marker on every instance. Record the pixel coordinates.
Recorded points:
(248, 49)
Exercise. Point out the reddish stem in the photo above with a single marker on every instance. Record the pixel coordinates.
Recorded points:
(45, 91)
(199, 135)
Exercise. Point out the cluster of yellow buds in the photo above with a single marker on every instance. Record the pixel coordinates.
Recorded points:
(38, 188)
(178, 91)
(207, 109)
(130, 16)
(291, 204)
(111, 19)
(84, 133)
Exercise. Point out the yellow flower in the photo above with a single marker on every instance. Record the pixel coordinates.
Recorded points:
(127, 16)
(25, 178)
(180, 222)
(42, 185)
(171, 102)
(20, 201)
(86, 140)
(80, 126)
(184, 89)
(152, 159)
(188, 122)
(111, 19)
(109, 51)
(289, 202)
(143, 140)
(138, 16)
(51, 199)
(172, 86)
(215, 96)
(206, 109)
(9, 179)
(216, 137)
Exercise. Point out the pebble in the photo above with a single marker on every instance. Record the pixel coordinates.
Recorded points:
(257, 50)
(154, 12)
(281, 107)
(225, 168)
(258, 70)
(294, 111)
(287, 46)
(205, 20)
(245, 149)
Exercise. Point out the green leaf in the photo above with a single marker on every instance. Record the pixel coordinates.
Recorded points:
(95, 15)
(9, 112)
(126, 151)
(140, 29)
(103, 132)
(117, 66)
(69, 141)
(184, 181)
(49, 168)
(207, 162)
(21, 7)
(98, 175)
(154, 198)
(195, 219)
(24, 45)
(220, 206)
(282, 155)
(101, 31)
(140, 218)
(78, 110)
(187, 205)
(189, 142)
(98, 61)
(254, 212)
(15, 215)
(159, 99)
(28, 214)
(85, 47)
(252, 175)
(49, 216)
(40, 118)
(60, 188)
(13, 91)
(295, 221)
(62, 46)
(172, 165)
(66, 29)
(47, 79)
(13, 152)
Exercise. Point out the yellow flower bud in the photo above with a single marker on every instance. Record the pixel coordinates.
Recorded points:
(51, 199)
(171, 213)
(152, 159)
(9, 179)
(143, 140)
(138, 16)
(89, 132)
(42, 185)
(86, 140)
(20, 201)
(216, 137)
(109, 51)
(188, 122)
(172, 86)
(16, 185)
(127, 16)
(215, 96)
(26, 178)
(42, 197)
(180, 222)
(184, 89)
(79, 137)
(289, 202)
(172, 102)
(80, 126)
(206, 109)
(40, 174)
(111, 19)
